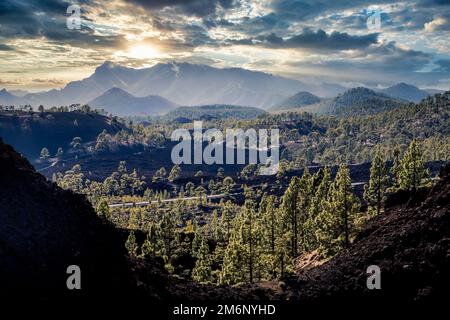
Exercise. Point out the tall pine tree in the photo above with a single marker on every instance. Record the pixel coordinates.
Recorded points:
(202, 269)
(323, 181)
(412, 171)
(336, 221)
(289, 212)
(375, 190)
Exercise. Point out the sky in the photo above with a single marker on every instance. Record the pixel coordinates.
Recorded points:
(372, 43)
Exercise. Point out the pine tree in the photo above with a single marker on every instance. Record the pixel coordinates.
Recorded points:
(323, 181)
(103, 209)
(59, 152)
(202, 269)
(395, 169)
(412, 171)
(160, 175)
(227, 218)
(153, 244)
(233, 259)
(196, 242)
(45, 154)
(242, 261)
(336, 221)
(175, 173)
(251, 235)
(167, 226)
(131, 244)
(289, 212)
(215, 231)
(305, 193)
(375, 190)
(270, 233)
(268, 214)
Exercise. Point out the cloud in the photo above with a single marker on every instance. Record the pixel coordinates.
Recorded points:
(5, 47)
(199, 8)
(427, 3)
(9, 82)
(319, 40)
(48, 81)
(35, 19)
(441, 23)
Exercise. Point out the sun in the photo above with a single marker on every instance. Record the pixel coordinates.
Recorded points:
(142, 51)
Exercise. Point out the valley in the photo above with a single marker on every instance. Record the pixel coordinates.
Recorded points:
(234, 159)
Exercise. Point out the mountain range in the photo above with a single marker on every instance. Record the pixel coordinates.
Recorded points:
(164, 85)
(182, 83)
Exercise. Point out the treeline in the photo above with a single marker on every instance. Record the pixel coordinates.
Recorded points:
(327, 140)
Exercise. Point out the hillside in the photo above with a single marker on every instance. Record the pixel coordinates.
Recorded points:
(410, 243)
(212, 112)
(405, 92)
(119, 102)
(29, 132)
(45, 229)
(299, 99)
(354, 102)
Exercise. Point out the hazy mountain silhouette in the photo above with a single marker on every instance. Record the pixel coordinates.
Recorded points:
(182, 83)
(121, 103)
(300, 99)
(406, 91)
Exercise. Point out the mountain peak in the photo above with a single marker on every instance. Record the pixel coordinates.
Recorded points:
(117, 90)
(107, 64)
(406, 92)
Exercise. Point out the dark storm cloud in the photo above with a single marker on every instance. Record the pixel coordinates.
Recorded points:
(319, 40)
(427, 3)
(386, 57)
(5, 47)
(385, 63)
(200, 8)
(261, 25)
(34, 19)
(302, 9)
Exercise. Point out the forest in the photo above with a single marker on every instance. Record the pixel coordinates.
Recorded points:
(250, 233)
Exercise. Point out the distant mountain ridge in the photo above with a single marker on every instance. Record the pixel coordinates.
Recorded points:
(406, 92)
(182, 83)
(121, 103)
(354, 102)
(300, 99)
(187, 84)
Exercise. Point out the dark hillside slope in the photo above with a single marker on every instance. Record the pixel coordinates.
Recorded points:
(411, 245)
(44, 229)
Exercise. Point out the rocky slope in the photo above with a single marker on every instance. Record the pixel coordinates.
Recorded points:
(411, 245)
